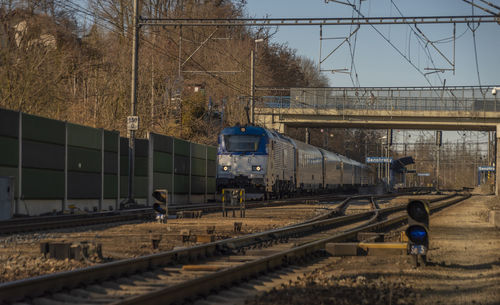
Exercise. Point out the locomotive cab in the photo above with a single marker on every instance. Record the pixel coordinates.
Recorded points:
(242, 158)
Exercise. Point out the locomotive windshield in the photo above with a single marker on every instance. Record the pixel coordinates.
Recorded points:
(241, 143)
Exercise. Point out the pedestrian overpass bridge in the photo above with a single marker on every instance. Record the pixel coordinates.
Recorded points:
(435, 108)
(449, 108)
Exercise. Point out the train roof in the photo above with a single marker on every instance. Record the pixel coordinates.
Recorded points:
(261, 131)
(249, 130)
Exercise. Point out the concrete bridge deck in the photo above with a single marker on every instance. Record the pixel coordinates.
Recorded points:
(450, 108)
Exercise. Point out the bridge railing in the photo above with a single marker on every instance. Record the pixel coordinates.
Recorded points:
(389, 99)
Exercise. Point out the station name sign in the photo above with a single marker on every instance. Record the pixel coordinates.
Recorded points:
(486, 168)
(378, 159)
(423, 174)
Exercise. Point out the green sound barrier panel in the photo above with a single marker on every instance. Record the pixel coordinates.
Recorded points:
(197, 185)
(9, 151)
(124, 164)
(162, 181)
(211, 185)
(162, 143)
(141, 166)
(141, 148)
(111, 139)
(198, 167)
(43, 155)
(198, 151)
(212, 168)
(42, 184)
(84, 160)
(84, 185)
(9, 123)
(162, 162)
(181, 147)
(181, 165)
(124, 146)
(110, 186)
(110, 162)
(212, 153)
(82, 136)
(43, 130)
(140, 186)
(181, 184)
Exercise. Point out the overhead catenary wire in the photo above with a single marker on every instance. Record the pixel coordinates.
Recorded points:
(426, 50)
(473, 30)
(393, 46)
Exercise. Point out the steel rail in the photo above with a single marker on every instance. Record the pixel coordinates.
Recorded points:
(30, 224)
(34, 287)
(317, 21)
(215, 281)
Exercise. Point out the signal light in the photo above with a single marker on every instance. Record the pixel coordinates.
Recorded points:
(418, 228)
(160, 195)
(417, 234)
(256, 168)
(418, 222)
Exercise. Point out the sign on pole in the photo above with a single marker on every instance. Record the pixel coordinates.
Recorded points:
(423, 174)
(378, 159)
(132, 122)
(486, 168)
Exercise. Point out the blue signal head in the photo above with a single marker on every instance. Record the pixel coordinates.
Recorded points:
(417, 234)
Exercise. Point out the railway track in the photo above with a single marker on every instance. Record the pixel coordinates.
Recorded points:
(180, 275)
(32, 224)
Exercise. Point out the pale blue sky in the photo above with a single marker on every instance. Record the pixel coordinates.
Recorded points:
(377, 63)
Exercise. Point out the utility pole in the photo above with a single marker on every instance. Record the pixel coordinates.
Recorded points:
(439, 142)
(252, 86)
(388, 164)
(133, 105)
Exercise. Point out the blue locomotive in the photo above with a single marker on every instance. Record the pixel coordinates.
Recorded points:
(263, 161)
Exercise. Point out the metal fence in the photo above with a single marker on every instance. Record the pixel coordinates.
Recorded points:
(389, 99)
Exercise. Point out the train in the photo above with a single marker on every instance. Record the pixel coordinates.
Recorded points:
(265, 162)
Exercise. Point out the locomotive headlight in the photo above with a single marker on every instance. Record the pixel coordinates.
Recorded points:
(226, 168)
(256, 168)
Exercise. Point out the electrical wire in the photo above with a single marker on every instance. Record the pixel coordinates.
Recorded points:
(473, 30)
(74, 6)
(426, 50)
(352, 51)
(394, 47)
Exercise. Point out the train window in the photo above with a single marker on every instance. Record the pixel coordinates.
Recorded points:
(241, 143)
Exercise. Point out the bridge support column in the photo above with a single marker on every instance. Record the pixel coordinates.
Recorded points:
(497, 162)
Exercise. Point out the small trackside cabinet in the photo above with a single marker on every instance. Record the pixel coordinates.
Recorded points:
(6, 197)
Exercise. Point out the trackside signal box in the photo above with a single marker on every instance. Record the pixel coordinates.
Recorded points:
(418, 228)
